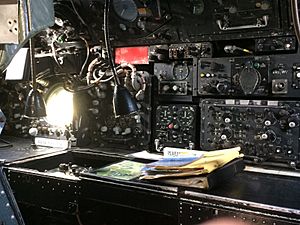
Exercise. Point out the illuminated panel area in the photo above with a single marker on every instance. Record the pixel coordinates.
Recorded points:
(59, 107)
(54, 129)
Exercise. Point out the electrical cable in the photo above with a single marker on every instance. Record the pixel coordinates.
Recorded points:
(104, 67)
(54, 52)
(79, 89)
(31, 47)
(87, 56)
(76, 12)
(107, 42)
(295, 18)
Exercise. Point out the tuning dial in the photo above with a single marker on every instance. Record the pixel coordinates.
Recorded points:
(222, 87)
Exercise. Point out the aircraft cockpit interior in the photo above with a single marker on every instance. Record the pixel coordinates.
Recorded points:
(139, 112)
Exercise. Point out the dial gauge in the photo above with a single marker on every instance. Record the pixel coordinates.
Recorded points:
(125, 9)
(198, 7)
(186, 116)
(180, 71)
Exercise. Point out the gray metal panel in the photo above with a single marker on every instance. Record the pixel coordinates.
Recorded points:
(9, 24)
(9, 212)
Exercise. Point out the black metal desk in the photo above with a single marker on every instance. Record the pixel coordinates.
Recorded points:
(255, 197)
(21, 148)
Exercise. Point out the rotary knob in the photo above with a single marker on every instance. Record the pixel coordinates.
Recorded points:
(227, 134)
(293, 121)
(222, 87)
(280, 86)
(175, 88)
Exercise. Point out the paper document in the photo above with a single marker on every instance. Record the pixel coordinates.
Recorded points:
(146, 155)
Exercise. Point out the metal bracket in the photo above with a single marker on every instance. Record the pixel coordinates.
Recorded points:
(261, 22)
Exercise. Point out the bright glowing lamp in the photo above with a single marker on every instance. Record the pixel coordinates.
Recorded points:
(59, 104)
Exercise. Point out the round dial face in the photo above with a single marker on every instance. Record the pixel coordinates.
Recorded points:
(125, 9)
(180, 71)
(186, 116)
(198, 7)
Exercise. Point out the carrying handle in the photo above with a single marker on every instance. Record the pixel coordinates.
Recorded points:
(261, 22)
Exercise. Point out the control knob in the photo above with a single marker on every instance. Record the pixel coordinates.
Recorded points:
(226, 134)
(222, 87)
(33, 131)
(280, 86)
(293, 121)
(175, 88)
(165, 88)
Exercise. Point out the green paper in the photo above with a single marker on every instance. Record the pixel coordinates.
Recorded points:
(124, 170)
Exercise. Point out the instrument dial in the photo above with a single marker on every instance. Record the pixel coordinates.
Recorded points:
(125, 9)
(186, 116)
(180, 71)
(198, 7)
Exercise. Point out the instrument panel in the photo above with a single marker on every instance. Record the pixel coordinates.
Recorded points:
(177, 21)
(267, 131)
(175, 126)
(219, 74)
(201, 54)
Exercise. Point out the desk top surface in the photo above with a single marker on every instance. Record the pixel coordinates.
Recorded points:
(273, 190)
(21, 148)
(269, 189)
